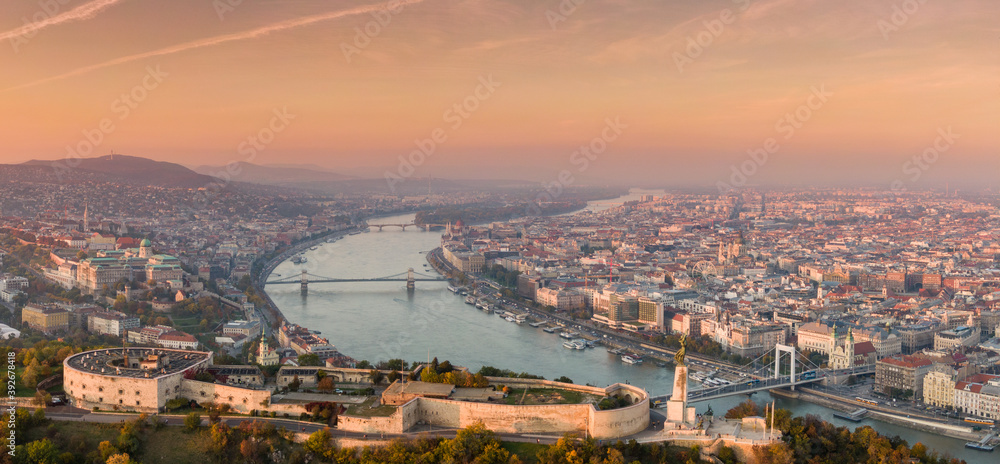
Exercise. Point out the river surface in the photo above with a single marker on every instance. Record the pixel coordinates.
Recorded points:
(380, 320)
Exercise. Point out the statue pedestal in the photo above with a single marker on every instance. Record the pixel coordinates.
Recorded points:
(678, 411)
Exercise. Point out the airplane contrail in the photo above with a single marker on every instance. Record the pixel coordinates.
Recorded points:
(251, 34)
(79, 13)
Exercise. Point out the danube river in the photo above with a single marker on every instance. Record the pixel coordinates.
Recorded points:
(379, 321)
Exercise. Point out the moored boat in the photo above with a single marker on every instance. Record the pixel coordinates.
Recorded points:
(574, 345)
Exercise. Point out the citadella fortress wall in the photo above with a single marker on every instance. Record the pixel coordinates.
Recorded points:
(584, 419)
(100, 386)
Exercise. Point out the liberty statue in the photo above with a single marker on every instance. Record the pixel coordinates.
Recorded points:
(679, 357)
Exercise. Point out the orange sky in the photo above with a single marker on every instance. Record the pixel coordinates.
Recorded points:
(893, 87)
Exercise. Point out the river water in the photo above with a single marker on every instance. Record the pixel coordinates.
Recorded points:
(380, 320)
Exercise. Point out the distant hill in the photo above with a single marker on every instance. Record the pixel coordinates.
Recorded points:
(283, 175)
(112, 168)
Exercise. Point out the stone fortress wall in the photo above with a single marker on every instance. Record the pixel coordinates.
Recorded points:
(103, 388)
(584, 419)
(240, 399)
(89, 388)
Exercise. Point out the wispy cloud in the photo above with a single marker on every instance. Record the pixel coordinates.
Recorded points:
(80, 13)
(210, 41)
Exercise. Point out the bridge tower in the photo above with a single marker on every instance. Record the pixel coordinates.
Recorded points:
(778, 350)
(305, 282)
(410, 282)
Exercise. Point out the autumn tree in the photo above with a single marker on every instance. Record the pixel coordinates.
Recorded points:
(192, 421)
(122, 458)
(375, 376)
(326, 385)
(319, 444)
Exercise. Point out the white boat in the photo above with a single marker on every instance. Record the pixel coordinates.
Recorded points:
(470, 300)
(630, 360)
(452, 289)
(569, 335)
(510, 319)
(574, 345)
(549, 330)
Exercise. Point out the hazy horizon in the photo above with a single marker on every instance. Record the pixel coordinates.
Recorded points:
(868, 85)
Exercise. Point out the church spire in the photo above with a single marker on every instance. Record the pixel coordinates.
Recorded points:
(263, 340)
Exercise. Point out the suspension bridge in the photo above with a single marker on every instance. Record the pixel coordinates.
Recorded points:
(304, 279)
(763, 376)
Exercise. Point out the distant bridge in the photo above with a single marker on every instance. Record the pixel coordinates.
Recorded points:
(404, 226)
(304, 280)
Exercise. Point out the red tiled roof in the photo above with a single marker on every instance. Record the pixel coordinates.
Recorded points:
(907, 361)
(973, 387)
(864, 348)
(178, 337)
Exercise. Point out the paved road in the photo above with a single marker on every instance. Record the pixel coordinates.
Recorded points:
(914, 409)
(66, 413)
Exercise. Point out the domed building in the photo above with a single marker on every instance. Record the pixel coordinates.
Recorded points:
(145, 248)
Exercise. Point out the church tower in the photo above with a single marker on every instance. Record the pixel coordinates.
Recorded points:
(145, 248)
(849, 348)
(263, 343)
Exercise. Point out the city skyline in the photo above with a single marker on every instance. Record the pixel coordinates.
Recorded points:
(845, 93)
